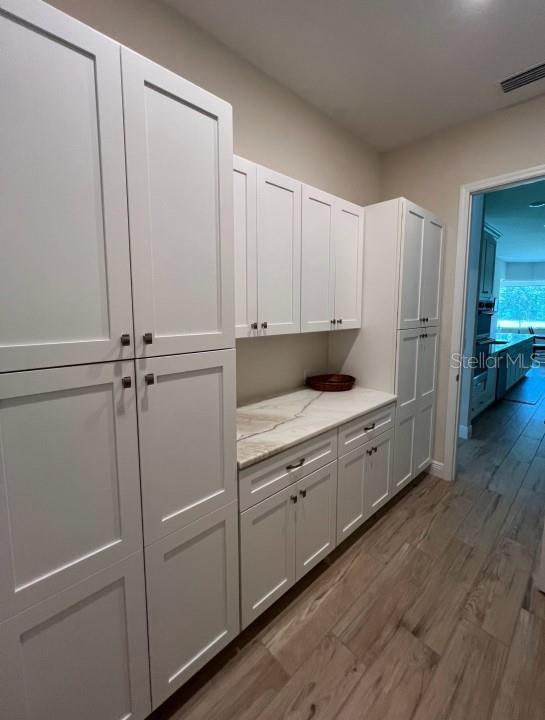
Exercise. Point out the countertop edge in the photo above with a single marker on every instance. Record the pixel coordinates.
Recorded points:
(243, 465)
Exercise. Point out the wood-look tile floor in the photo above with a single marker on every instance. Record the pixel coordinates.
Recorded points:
(429, 613)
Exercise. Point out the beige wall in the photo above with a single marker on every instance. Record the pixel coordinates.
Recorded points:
(272, 126)
(431, 171)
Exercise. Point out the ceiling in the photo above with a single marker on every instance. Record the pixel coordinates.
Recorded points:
(389, 70)
(522, 228)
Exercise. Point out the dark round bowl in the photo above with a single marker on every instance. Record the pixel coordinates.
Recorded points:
(332, 382)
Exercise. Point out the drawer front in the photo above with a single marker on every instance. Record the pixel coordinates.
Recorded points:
(269, 476)
(362, 429)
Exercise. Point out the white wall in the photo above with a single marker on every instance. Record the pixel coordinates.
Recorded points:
(431, 171)
(272, 126)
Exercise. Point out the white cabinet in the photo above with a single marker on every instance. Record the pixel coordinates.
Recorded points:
(420, 271)
(65, 292)
(69, 478)
(283, 537)
(316, 518)
(267, 553)
(193, 600)
(332, 250)
(416, 389)
(82, 653)
(179, 175)
(244, 213)
(278, 252)
(318, 260)
(186, 415)
(364, 476)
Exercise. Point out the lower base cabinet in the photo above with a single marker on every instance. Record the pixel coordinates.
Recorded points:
(364, 478)
(83, 653)
(283, 537)
(193, 598)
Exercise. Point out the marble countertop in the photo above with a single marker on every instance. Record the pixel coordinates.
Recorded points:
(509, 339)
(267, 427)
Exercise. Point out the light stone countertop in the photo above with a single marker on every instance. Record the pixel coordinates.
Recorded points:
(509, 339)
(267, 427)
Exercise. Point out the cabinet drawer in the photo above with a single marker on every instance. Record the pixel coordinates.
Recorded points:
(359, 431)
(269, 476)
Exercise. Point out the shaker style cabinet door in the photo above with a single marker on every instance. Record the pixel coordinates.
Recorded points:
(65, 291)
(413, 224)
(380, 460)
(348, 225)
(180, 181)
(186, 416)
(432, 261)
(278, 253)
(82, 653)
(352, 476)
(316, 518)
(69, 478)
(318, 260)
(193, 589)
(244, 212)
(267, 552)
(407, 391)
(425, 418)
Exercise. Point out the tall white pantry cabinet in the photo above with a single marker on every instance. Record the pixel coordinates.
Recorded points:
(397, 348)
(118, 513)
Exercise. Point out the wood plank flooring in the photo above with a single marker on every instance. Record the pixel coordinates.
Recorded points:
(429, 613)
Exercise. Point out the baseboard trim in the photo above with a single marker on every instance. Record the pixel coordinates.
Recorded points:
(438, 469)
(465, 431)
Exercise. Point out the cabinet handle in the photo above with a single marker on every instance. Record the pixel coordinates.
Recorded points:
(369, 427)
(427, 319)
(340, 321)
(293, 466)
(333, 321)
(369, 452)
(125, 339)
(149, 378)
(303, 493)
(148, 338)
(375, 449)
(126, 381)
(254, 326)
(264, 324)
(293, 498)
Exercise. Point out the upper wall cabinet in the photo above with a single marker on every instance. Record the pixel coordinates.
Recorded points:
(421, 260)
(179, 174)
(244, 212)
(487, 267)
(332, 249)
(65, 292)
(278, 253)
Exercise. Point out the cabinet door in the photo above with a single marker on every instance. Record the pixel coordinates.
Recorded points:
(186, 415)
(81, 654)
(318, 260)
(432, 261)
(410, 281)
(377, 484)
(69, 478)
(244, 212)
(192, 586)
(180, 179)
(427, 379)
(278, 253)
(488, 266)
(316, 518)
(348, 225)
(65, 293)
(267, 553)
(408, 360)
(352, 475)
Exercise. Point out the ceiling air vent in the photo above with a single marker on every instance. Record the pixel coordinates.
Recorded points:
(524, 78)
